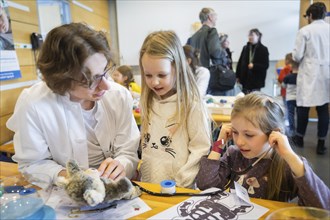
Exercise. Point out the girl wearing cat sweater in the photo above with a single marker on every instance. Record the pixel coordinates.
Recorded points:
(175, 124)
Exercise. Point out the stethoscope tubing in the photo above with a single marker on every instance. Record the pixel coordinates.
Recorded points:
(176, 194)
(207, 193)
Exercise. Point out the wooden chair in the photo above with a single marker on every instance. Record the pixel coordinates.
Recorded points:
(8, 149)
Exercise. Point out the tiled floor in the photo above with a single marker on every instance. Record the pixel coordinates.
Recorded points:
(319, 163)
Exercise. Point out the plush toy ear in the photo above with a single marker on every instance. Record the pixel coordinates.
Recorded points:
(72, 167)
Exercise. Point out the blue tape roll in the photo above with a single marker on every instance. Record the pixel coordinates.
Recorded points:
(168, 186)
(167, 183)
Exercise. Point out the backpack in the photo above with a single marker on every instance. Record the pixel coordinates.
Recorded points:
(221, 78)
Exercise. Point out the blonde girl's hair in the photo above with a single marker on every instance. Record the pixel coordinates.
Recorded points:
(128, 72)
(166, 45)
(265, 113)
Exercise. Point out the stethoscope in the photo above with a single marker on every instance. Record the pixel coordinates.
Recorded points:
(176, 194)
(234, 173)
(75, 212)
(223, 164)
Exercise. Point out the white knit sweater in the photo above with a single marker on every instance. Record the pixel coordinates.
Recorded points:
(172, 153)
(202, 79)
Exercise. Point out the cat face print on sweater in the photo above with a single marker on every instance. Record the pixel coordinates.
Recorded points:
(163, 144)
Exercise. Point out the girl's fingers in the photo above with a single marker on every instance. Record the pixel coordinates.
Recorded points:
(107, 167)
(114, 174)
(109, 170)
(118, 173)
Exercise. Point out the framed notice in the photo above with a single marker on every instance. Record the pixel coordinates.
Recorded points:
(9, 66)
(327, 18)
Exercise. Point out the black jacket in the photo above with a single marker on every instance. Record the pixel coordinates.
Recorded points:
(206, 40)
(253, 78)
(229, 59)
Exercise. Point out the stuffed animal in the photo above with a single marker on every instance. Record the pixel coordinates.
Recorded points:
(87, 186)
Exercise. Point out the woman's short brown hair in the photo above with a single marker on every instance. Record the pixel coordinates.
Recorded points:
(64, 52)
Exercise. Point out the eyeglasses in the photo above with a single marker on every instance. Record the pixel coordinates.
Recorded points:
(96, 79)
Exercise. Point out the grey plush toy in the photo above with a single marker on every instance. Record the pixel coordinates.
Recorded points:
(87, 186)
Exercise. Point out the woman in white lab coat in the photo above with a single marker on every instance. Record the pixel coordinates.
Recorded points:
(312, 50)
(75, 113)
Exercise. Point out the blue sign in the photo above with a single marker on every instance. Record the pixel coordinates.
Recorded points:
(9, 75)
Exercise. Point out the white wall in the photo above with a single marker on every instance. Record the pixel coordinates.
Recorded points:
(49, 17)
(278, 20)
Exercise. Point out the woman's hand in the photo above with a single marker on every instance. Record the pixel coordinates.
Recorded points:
(281, 144)
(250, 66)
(226, 132)
(62, 173)
(111, 169)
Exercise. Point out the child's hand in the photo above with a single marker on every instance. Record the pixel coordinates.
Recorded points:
(226, 132)
(280, 143)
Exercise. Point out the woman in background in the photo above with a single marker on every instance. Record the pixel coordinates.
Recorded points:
(253, 63)
(224, 42)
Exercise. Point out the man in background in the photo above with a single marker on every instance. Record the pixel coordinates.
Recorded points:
(312, 51)
(206, 40)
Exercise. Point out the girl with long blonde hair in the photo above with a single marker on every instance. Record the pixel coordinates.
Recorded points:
(262, 159)
(175, 123)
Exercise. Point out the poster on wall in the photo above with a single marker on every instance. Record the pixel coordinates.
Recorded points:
(9, 66)
(327, 17)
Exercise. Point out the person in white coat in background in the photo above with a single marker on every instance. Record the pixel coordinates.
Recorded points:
(75, 112)
(312, 50)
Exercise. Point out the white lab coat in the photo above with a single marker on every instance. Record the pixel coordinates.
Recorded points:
(312, 50)
(49, 130)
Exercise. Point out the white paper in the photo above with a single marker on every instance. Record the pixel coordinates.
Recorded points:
(242, 193)
(65, 208)
(220, 206)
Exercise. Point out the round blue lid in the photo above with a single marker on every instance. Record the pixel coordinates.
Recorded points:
(46, 212)
(21, 208)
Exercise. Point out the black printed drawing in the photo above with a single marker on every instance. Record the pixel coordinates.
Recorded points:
(211, 208)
